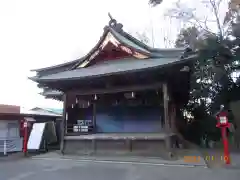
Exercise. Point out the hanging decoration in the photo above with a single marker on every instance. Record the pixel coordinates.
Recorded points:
(66, 116)
(115, 103)
(129, 95)
(133, 95)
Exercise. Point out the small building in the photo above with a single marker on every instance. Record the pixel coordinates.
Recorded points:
(10, 136)
(49, 111)
(121, 97)
(12, 119)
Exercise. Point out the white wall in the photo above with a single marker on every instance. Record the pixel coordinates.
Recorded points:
(9, 134)
(3, 129)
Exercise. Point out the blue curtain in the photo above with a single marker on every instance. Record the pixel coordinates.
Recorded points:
(128, 119)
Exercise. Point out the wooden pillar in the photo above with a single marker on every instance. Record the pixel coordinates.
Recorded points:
(64, 123)
(166, 108)
(166, 116)
(94, 126)
(173, 117)
(94, 116)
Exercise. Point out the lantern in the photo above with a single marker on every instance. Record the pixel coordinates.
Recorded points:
(222, 120)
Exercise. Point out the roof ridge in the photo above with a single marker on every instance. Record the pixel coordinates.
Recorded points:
(136, 41)
(137, 47)
(141, 44)
(106, 30)
(118, 27)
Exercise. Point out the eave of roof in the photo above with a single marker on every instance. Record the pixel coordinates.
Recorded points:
(113, 68)
(22, 115)
(58, 65)
(52, 93)
(46, 111)
(54, 110)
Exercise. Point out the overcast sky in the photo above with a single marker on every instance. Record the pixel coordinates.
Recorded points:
(40, 33)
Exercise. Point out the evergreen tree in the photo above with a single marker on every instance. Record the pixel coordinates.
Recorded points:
(218, 56)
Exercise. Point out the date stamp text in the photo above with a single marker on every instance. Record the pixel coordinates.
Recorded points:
(197, 159)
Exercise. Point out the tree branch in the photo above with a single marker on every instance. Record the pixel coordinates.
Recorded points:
(198, 23)
(215, 11)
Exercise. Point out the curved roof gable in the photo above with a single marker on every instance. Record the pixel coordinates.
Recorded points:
(114, 34)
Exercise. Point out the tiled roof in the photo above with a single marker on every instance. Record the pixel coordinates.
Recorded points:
(111, 67)
(126, 41)
(70, 63)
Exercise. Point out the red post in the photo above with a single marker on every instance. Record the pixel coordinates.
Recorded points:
(223, 124)
(25, 138)
(225, 145)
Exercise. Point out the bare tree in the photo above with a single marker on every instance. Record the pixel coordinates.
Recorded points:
(210, 22)
(143, 37)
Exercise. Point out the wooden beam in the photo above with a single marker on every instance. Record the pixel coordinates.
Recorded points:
(117, 89)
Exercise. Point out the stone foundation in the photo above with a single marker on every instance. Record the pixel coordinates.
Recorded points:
(115, 147)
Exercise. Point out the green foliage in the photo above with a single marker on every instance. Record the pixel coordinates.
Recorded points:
(218, 56)
(211, 81)
(187, 37)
